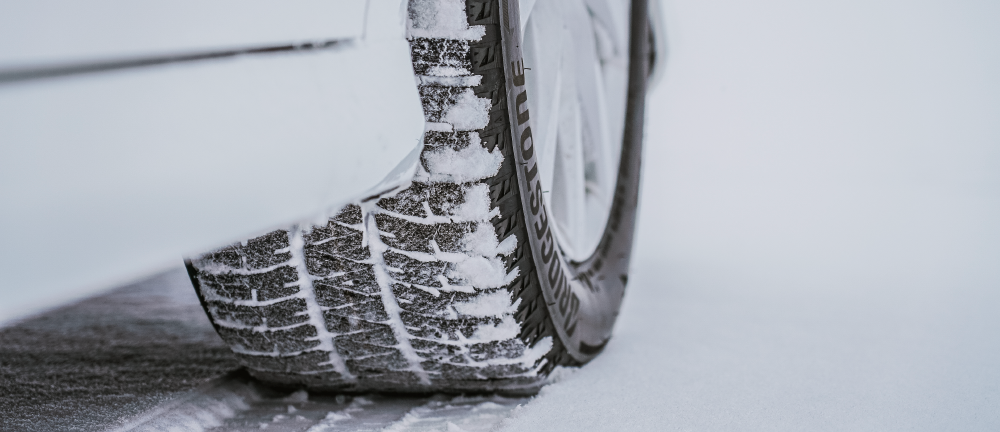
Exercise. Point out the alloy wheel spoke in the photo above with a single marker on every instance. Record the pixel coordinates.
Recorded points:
(577, 92)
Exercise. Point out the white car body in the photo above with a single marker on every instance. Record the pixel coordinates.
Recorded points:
(133, 134)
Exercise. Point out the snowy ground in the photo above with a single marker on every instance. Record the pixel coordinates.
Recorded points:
(818, 242)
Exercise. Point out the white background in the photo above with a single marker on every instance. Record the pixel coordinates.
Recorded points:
(818, 243)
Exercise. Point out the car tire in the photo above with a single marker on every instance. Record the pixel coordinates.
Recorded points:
(452, 281)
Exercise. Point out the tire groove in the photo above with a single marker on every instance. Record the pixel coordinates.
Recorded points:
(315, 313)
(378, 249)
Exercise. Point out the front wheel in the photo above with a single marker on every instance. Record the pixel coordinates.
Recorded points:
(504, 256)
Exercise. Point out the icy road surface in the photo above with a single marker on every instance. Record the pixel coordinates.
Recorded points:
(818, 247)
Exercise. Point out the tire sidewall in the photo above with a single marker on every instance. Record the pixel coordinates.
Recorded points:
(582, 298)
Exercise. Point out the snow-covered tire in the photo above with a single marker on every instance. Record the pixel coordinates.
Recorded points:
(451, 282)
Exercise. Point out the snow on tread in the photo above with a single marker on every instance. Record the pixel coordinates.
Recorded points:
(419, 289)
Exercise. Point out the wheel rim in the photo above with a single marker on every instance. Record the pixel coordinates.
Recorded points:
(578, 55)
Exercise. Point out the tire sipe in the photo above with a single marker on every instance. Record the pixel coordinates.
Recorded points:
(453, 281)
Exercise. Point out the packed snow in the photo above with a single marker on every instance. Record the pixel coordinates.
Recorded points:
(470, 112)
(493, 304)
(476, 206)
(471, 163)
(446, 414)
(444, 19)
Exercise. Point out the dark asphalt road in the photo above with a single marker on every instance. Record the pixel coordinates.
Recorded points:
(95, 364)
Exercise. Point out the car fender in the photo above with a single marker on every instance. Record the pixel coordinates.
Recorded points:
(131, 136)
